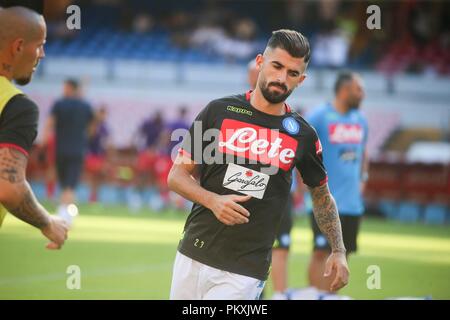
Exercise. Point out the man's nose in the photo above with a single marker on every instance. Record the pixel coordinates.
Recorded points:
(281, 77)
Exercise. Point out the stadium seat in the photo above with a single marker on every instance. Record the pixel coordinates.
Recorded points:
(408, 212)
(108, 195)
(82, 193)
(388, 208)
(435, 214)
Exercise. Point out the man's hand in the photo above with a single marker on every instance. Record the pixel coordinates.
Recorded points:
(56, 231)
(228, 211)
(226, 208)
(337, 264)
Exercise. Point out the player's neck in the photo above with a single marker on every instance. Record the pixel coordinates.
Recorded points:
(340, 106)
(5, 69)
(258, 101)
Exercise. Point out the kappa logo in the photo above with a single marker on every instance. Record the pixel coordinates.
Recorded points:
(239, 110)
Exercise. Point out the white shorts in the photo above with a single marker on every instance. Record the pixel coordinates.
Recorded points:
(193, 280)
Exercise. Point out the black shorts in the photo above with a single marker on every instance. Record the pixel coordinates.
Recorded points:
(350, 228)
(283, 235)
(69, 170)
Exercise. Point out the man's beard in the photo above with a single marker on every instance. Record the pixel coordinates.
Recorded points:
(274, 96)
(23, 81)
(354, 105)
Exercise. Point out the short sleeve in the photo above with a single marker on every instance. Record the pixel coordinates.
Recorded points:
(311, 165)
(19, 123)
(314, 119)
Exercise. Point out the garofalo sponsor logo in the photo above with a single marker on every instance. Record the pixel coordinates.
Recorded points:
(245, 180)
(254, 182)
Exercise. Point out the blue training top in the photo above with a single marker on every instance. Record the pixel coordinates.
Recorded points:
(343, 138)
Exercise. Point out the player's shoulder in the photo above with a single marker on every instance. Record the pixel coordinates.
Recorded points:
(58, 103)
(319, 110)
(226, 100)
(362, 117)
(221, 104)
(359, 117)
(85, 103)
(21, 103)
(305, 126)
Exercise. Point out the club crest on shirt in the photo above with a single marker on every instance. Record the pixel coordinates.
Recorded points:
(291, 125)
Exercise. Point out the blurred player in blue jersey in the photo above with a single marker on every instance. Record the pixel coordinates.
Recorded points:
(343, 131)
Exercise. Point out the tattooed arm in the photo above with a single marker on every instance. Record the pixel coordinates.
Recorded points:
(18, 198)
(327, 218)
(15, 192)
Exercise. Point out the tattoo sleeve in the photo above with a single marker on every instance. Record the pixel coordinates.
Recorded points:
(327, 217)
(12, 165)
(18, 198)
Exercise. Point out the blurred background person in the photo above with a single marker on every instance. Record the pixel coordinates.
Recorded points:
(343, 132)
(99, 147)
(69, 119)
(177, 125)
(179, 122)
(151, 139)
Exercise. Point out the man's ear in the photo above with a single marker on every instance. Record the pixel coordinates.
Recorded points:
(302, 78)
(17, 47)
(259, 61)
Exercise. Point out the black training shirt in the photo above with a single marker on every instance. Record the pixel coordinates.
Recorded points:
(19, 123)
(244, 142)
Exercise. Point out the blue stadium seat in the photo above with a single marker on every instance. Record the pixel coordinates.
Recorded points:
(408, 212)
(435, 214)
(108, 194)
(388, 208)
(103, 42)
(82, 193)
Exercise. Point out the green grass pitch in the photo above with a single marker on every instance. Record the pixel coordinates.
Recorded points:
(129, 256)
